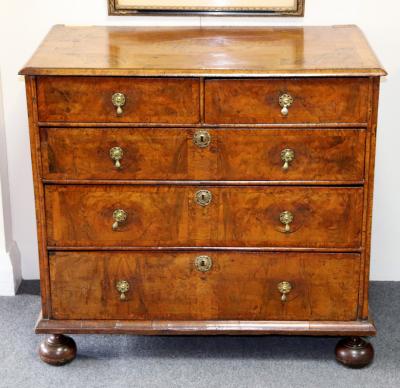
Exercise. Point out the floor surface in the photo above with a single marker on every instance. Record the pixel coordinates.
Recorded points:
(130, 361)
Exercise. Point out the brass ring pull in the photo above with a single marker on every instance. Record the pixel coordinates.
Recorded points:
(202, 138)
(203, 197)
(116, 154)
(284, 288)
(203, 263)
(286, 219)
(118, 100)
(119, 216)
(285, 101)
(122, 287)
(287, 156)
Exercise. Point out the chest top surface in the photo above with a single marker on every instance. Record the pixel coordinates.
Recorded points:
(269, 52)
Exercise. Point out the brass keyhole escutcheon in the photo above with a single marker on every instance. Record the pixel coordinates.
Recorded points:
(119, 216)
(118, 100)
(122, 287)
(203, 263)
(202, 138)
(286, 219)
(287, 156)
(284, 288)
(203, 197)
(116, 154)
(285, 101)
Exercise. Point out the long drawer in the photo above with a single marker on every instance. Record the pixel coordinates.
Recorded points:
(210, 285)
(200, 154)
(194, 216)
(277, 101)
(118, 100)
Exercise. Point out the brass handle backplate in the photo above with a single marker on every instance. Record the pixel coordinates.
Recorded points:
(286, 219)
(203, 263)
(285, 101)
(284, 288)
(116, 154)
(203, 197)
(202, 138)
(122, 287)
(119, 216)
(118, 100)
(287, 156)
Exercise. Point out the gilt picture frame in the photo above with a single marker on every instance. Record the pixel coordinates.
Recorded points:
(207, 7)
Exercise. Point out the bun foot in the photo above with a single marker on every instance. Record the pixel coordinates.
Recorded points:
(57, 350)
(354, 352)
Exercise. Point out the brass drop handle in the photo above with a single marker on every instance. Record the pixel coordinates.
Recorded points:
(122, 287)
(116, 154)
(285, 101)
(202, 138)
(119, 216)
(203, 197)
(203, 263)
(284, 288)
(287, 156)
(118, 100)
(286, 219)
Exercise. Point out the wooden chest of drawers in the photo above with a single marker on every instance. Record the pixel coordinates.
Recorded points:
(204, 181)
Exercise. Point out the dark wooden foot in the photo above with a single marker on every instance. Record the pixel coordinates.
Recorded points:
(354, 352)
(57, 350)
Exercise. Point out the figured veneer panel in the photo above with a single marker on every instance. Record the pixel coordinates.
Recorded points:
(147, 100)
(204, 51)
(233, 154)
(315, 100)
(169, 216)
(239, 286)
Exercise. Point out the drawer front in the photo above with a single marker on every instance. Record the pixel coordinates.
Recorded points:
(315, 100)
(180, 154)
(180, 216)
(146, 100)
(238, 286)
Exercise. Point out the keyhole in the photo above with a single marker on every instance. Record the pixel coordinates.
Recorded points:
(201, 138)
(203, 198)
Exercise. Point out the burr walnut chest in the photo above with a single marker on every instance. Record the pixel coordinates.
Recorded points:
(204, 181)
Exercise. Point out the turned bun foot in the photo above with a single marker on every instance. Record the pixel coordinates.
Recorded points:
(57, 350)
(354, 352)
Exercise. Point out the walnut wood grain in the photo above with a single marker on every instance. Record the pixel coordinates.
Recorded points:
(89, 99)
(203, 125)
(110, 326)
(170, 154)
(168, 286)
(205, 51)
(30, 87)
(216, 249)
(169, 216)
(146, 182)
(368, 197)
(227, 81)
(319, 100)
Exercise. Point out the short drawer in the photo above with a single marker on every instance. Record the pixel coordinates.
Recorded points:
(195, 216)
(94, 100)
(204, 285)
(200, 154)
(310, 100)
